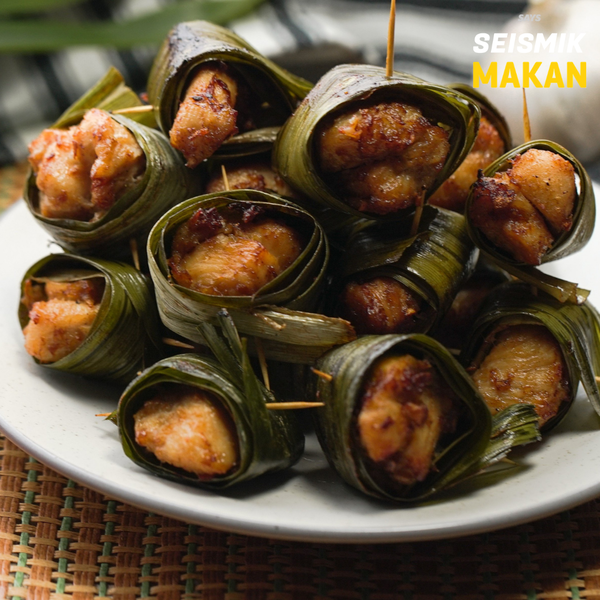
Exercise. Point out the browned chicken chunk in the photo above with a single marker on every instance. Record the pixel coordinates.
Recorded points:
(548, 181)
(189, 429)
(405, 410)
(509, 220)
(61, 316)
(206, 117)
(524, 365)
(382, 157)
(452, 194)
(522, 210)
(221, 257)
(82, 171)
(250, 175)
(379, 305)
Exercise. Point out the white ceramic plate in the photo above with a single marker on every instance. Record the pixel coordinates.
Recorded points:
(51, 416)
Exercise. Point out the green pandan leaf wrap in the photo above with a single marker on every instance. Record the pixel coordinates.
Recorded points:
(584, 216)
(467, 453)
(433, 263)
(278, 312)
(164, 183)
(125, 335)
(191, 44)
(268, 440)
(294, 154)
(575, 327)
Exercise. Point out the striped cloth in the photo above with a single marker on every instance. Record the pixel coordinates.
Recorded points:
(434, 40)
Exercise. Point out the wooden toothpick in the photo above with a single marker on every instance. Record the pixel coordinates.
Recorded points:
(526, 122)
(322, 374)
(134, 253)
(414, 228)
(262, 361)
(225, 180)
(292, 405)
(177, 343)
(134, 110)
(389, 63)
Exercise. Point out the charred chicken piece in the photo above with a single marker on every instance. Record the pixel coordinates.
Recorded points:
(509, 220)
(232, 255)
(524, 364)
(189, 429)
(548, 181)
(81, 172)
(382, 157)
(207, 115)
(250, 175)
(61, 316)
(452, 194)
(379, 305)
(522, 210)
(405, 411)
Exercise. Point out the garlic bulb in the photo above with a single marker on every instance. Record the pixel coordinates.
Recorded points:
(568, 116)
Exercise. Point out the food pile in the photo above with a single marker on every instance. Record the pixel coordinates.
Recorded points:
(368, 245)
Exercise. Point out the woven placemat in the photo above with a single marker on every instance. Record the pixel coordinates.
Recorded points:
(61, 540)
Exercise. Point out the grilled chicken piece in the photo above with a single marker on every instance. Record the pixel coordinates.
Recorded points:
(380, 305)
(452, 194)
(82, 171)
(509, 220)
(84, 290)
(381, 157)
(60, 316)
(62, 176)
(368, 134)
(523, 209)
(547, 180)
(206, 117)
(524, 365)
(405, 410)
(250, 175)
(232, 258)
(189, 429)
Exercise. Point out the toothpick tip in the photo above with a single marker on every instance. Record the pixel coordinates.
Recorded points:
(292, 405)
(176, 343)
(322, 374)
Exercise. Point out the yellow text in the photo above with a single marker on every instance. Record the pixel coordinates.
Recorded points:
(529, 75)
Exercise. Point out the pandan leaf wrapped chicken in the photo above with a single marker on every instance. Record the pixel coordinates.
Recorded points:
(213, 93)
(533, 205)
(526, 348)
(395, 282)
(492, 141)
(259, 256)
(99, 179)
(402, 420)
(89, 317)
(369, 145)
(205, 422)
